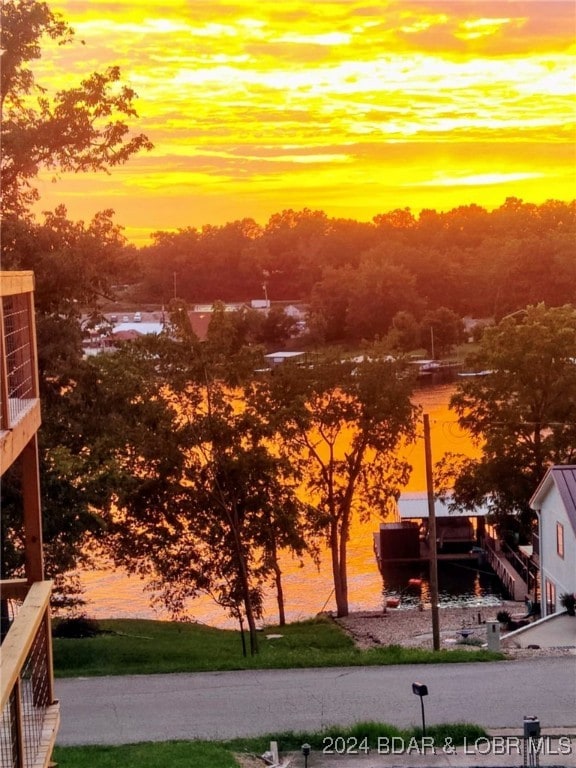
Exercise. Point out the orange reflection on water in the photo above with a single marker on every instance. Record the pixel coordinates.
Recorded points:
(307, 590)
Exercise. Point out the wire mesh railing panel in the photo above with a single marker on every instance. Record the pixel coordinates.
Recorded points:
(35, 693)
(19, 355)
(25, 712)
(9, 747)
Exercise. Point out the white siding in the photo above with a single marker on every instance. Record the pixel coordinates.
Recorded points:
(558, 570)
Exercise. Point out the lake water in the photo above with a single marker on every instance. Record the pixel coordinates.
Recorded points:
(113, 594)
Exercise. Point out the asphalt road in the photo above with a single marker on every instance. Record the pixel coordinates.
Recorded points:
(219, 705)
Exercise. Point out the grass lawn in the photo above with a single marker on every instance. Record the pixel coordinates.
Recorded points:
(167, 754)
(132, 646)
(203, 754)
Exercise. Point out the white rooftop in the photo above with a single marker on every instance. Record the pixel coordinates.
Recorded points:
(143, 328)
(283, 355)
(415, 505)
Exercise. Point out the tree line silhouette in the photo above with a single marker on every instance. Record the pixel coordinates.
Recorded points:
(356, 276)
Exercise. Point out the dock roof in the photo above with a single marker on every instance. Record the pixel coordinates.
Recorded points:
(415, 505)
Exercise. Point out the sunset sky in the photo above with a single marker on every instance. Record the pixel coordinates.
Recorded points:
(354, 107)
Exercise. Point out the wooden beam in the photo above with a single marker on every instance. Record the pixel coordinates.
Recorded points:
(13, 441)
(33, 345)
(33, 554)
(4, 415)
(50, 726)
(13, 283)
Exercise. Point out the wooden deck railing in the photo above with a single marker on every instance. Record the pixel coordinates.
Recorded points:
(30, 714)
(19, 397)
(508, 575)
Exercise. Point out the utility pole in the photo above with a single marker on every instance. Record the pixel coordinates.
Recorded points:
(432, 536)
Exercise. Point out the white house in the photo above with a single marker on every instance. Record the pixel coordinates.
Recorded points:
(555, 503)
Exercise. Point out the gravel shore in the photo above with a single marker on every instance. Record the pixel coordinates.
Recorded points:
(413, 627)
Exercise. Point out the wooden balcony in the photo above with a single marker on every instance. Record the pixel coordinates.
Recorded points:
(19, 401)
(30, 714)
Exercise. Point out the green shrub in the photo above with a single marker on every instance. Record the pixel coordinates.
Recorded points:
(568, 601)
(504, 617)
(77, 628)
(477, 641)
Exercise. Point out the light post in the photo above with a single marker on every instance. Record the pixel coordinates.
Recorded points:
(306, 751)
(421, 690)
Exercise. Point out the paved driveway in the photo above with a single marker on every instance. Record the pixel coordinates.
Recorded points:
(219, 705)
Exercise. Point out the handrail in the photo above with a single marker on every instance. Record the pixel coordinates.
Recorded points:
(511, 555)
(13, 283)
(20, 637)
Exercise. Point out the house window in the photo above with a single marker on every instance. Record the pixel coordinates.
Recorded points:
(560, 540)
(550, 597)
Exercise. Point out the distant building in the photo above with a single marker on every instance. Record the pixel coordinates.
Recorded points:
(277, 358)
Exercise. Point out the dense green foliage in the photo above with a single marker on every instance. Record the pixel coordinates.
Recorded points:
(357, 275)
(131, 646)
(341, 423)
(82, 127)
(111, 434)
(78, 128)
(522, 412)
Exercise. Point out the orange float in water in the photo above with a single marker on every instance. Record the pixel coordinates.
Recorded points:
(414, 582)
(392, 602)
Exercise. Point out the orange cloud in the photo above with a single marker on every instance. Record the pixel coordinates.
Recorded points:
(348, 106)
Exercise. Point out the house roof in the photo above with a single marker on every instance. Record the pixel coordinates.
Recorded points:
(279, 356)
(140, 328)
(564, 478)
(411, 505)
(200, 320)
(129, 334)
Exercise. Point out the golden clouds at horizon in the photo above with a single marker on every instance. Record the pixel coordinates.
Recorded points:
(352, 107)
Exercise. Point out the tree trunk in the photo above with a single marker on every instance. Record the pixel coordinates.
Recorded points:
(242, 634)
(247, 599)
(279, 593)
(343, 544)
(272, 556)
(340, 586)
(244, 580)
(251, 626)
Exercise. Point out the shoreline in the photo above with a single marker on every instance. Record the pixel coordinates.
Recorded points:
(412, 628)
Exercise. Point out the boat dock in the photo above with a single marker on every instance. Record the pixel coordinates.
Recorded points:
(458, 537)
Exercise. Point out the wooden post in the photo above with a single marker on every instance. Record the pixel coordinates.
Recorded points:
(34, 560)
(33, 345)
(49, 656)
(432, 536)
(4, 415)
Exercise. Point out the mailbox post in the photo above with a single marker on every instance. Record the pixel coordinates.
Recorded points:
(493, 635)
(421, 690)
